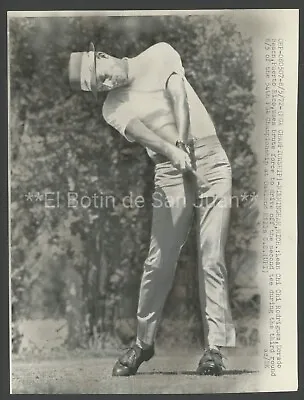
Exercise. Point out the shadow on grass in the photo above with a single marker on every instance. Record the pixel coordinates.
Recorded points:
(239, 372)
(227, 372)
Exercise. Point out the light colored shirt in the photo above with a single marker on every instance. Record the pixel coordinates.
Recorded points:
(147, 99)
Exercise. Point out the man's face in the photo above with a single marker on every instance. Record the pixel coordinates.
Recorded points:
(109, 74)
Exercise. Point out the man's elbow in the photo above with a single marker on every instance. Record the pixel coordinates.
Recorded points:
(134, 129)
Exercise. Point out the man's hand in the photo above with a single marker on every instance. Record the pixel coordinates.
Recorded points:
(180, 159)
(143, 135)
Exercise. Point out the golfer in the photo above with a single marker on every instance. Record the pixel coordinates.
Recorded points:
(151, 102)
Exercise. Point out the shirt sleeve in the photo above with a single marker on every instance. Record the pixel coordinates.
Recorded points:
(118, 115)
(171, 64)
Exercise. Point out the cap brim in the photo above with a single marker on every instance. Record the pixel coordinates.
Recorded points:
(93, 76)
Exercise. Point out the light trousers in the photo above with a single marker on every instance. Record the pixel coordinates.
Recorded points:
(175, 200)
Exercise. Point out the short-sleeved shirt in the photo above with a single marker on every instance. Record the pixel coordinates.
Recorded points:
(146, 98)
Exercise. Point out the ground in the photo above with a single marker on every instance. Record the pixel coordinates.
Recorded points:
(166, 373)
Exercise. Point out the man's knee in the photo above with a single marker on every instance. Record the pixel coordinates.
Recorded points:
(214, 265)
(153, 259)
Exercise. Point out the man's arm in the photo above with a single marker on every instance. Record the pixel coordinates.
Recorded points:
(177, 92)
(146, 137)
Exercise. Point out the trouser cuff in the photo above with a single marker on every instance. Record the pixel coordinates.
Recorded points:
(143, 345)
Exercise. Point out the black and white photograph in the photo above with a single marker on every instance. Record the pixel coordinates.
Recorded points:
(152, 201)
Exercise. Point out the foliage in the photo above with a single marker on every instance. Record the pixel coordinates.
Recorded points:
(61, 144)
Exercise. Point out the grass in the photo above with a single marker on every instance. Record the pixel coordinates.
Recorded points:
(45, 366)
(165, 373)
